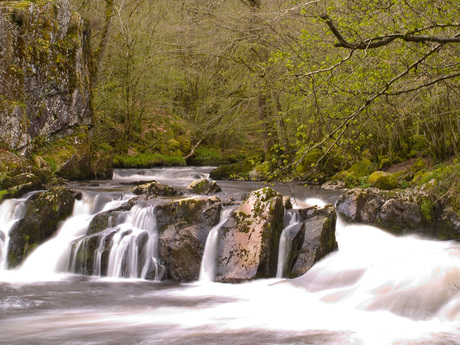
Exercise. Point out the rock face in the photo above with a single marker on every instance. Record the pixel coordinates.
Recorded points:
(44, 212)
(184, 226)
(204, 187)
(314, 240)
(249, 240)
(44, 72)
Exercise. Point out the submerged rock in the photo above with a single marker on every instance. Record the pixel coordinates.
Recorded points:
(249, 240)
(45, 210)
(204, 187)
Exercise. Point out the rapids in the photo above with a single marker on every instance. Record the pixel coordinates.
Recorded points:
(376, 289)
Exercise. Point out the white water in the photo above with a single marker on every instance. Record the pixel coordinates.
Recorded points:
(181, 176)
(378, 289)
(125, 246)
(208, 263)
(53, 257)
(291, 220)
(11, 211)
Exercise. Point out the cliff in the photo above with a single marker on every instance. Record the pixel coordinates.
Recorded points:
(44, 73)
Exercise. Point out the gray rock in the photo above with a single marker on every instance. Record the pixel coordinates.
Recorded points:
(318, 240)
(204, 187)
(44, 72)
(154, 189)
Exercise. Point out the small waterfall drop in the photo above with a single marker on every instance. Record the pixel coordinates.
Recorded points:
(291, 224)
(134, 250)
(208, 263)
(127, 248)
(53, 256)
(11, 211)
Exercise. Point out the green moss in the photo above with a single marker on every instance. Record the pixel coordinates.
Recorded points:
(236, 170)
(362, 168)
(426, 206)
(383, 180)
(147, 161)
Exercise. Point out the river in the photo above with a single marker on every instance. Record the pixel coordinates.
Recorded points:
(376, 289)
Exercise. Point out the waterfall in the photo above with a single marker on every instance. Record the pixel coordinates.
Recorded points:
(208, 263)
(11, 211)
(127, 248)
(53, 256)
(291, 224)
(134, 249)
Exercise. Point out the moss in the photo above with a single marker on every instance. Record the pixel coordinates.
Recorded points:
(147, 161)
(362, 168)
(418, 165)
(427, 207)
(383, 180)
(236, 170)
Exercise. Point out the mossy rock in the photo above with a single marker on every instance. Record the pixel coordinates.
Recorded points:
(349, 179)
(262, 171)
(362, 168)
(45, 210)
(309, 161)
(9, 161)
(236, 170)
(383, 180)
(204, 187)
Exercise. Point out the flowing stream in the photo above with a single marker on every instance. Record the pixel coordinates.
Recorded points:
(376, 289)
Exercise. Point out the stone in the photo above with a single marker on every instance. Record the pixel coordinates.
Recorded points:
(383, 180)
(333, 185)
(44, 212)
(154, 189)
(183, 226)
(204, 187)
(249, 239)
(44, 72)
(318, 240)
(362, 168)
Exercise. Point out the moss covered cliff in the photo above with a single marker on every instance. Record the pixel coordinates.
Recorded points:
(44, 72)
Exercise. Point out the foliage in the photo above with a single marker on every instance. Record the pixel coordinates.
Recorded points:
(147, 161)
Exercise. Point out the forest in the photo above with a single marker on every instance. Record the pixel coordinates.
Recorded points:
(300, 90)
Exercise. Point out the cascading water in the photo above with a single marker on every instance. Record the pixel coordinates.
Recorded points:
(11, 211)
(208, 263)
(53, 256)
(377, 289)
(291, 224)
(130, 242)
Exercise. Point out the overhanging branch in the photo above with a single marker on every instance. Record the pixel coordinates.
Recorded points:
(381, 41)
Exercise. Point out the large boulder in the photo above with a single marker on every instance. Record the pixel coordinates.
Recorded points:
(45, 210)
(315, 240)
(184, 226)
(249, 240)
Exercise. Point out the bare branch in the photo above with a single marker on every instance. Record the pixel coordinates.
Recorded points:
(381, 41)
